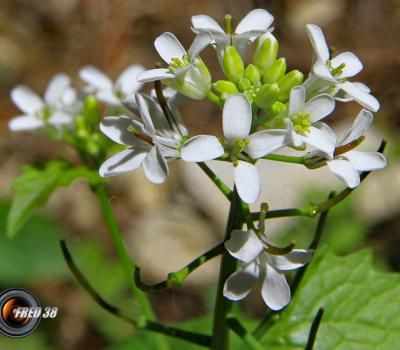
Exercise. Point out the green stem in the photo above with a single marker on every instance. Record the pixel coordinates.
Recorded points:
(286, 159)
(143, 323)
(314, 329)
(226, 191)
(246, 336)
(214, 98)
(309, 211)
(220, 336)
(127, 264)
(176, 279)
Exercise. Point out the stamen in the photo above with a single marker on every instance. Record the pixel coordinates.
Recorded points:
(301, 124)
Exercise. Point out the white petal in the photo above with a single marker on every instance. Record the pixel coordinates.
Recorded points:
(122, 162)
(155, 166)
(201, 148)
(69, 96)
(318, 42)
(352, 63)
(365, 161)
(322, 138)
(236, 117)
(127, 81)
(291, 261)
(169, 47)
(60, 118)
(199, 43)
(145, 114)
(96, 78)
(321, 70)
(26, 99)
(130, 104)
(206, 22)
(345, 172)
(244, 245)
(362, 86)
(247, 181)
(363, 98)
(319, 107)
(25, 122)
(109, 97)
(296, 100)
(264, 142)
(257, 19)
(155, 74)
(56, 88)
(116, 128)
(275, 290)
(360, 125)
(240, 283)
(292, 138)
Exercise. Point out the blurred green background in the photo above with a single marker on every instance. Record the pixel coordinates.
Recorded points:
(185, 215)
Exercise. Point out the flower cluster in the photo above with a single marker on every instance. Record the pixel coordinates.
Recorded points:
(264, 106)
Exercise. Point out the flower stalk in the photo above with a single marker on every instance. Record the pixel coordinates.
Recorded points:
(220, 336)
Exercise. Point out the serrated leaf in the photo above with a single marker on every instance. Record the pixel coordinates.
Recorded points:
(34, 187)
(361, 306)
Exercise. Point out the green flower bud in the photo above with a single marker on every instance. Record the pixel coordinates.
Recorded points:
(252, 73)
(225, 86)
(266, 52)
(278, 108)
(287, 82)
(275, 72)
(267, 95)
(244, 84)
(249, 96)
(233, 64)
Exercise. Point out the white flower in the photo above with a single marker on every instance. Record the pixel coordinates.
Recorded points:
(150, 144)
(258, 264)
(303, 117)
(336, 70)
(55, 109)
(348, 164)
(105, 89)
(186, 72)
(254, 24)
(236, 120)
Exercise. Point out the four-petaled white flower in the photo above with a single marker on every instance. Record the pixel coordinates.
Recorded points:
(236, 122)
(254, 24)
(150, 144)
(56, 108)
(186, 71)
(347, 165)
(258, 264)
(336, 70)
(303, 121)
(107, 91)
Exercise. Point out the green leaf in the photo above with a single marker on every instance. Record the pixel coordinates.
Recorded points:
(34, 187)
(361, 306)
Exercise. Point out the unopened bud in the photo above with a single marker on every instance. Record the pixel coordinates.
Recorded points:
(277, 108)
(233, 64)
(225, 87)
(267, 95)
(252, 73)
(275, 72)
(244, 84)
(266, 52)
(287, 82)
